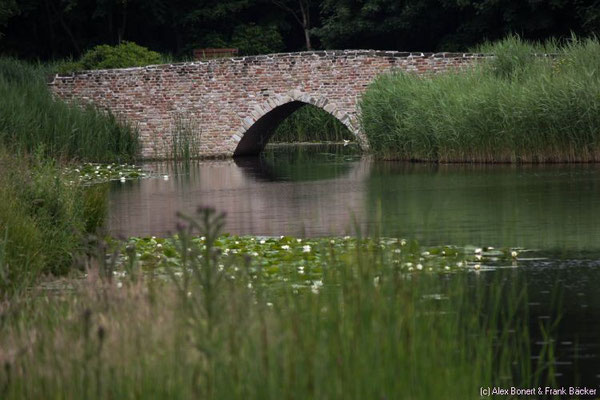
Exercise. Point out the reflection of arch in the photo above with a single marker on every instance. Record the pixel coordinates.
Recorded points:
(257, 128)
(296, 164)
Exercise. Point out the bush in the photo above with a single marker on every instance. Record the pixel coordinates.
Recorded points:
(124, 55)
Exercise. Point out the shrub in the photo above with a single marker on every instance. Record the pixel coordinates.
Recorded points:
(124, 55)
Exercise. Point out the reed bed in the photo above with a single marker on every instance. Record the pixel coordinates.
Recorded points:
(45, 220)
(522, 105)
(31, 120)
(215, 329)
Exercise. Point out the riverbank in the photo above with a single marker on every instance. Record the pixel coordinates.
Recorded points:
(517, 108)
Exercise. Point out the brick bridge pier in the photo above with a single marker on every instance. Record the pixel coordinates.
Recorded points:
(228, 107)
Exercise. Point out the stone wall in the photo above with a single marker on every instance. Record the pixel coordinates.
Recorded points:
(220, 101)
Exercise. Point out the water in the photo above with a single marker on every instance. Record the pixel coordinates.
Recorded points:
(323, 191)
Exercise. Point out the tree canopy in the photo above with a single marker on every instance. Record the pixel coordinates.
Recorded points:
(55, 29)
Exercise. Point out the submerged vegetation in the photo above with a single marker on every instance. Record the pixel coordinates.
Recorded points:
(218, 328)
(519, 106)
(32, 120)
(311, 124)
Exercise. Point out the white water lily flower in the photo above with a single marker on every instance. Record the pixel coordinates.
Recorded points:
(514, 254)
(346, 237)
(299, 240)
(285, 247)
(478, 257)
(159, 246)
(306, 248)
(477, 266)
(478, 250)
(263, 241)
(446, 267)
(254, 254)
(419, 266)
(119, 285)
(397, 251)
(269, 304)
(202, 238)
(402, 242)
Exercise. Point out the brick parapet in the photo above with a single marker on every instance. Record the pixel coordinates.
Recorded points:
(223, 98)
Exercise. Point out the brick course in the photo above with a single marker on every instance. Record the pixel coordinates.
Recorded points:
(226, 97)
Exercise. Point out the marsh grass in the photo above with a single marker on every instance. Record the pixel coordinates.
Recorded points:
(216, 330)
(31, 119)
(520, 106)
(186, 137)
(311, 124)
(44, 220)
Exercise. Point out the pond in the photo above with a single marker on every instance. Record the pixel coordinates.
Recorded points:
(553, 210)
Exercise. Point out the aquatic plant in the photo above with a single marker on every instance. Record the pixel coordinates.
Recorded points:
(520, 106)
(215, 329)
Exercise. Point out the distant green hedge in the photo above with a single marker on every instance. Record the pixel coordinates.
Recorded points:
(124, 55)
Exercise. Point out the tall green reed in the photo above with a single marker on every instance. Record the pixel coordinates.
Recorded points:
(44, 220)
(520, 106)
(30, 118)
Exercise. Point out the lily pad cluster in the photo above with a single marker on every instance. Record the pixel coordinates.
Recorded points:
(92, 173)
(300, 261)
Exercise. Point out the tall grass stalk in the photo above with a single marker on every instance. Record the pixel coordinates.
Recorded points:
(218, 330)
(30, 118)
(519, 106)
(185, 138)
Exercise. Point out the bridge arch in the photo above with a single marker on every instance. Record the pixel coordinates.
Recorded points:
(257, 129)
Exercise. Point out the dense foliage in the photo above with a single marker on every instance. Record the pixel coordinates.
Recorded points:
(311, 124)
(517, 107)
(54, 29)
(126, 54)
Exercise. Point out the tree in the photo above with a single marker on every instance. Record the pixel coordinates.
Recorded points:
(300, 10)
(8, 8)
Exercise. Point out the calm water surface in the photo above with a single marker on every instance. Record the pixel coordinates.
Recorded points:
(322, 191)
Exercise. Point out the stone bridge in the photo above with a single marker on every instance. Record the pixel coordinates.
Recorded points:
(228, 107)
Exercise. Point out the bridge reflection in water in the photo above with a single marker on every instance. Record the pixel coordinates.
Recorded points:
(261, 196)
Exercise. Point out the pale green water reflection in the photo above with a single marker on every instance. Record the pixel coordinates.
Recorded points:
(318, 191)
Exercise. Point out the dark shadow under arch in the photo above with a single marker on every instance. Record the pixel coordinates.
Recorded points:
(256, 138)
